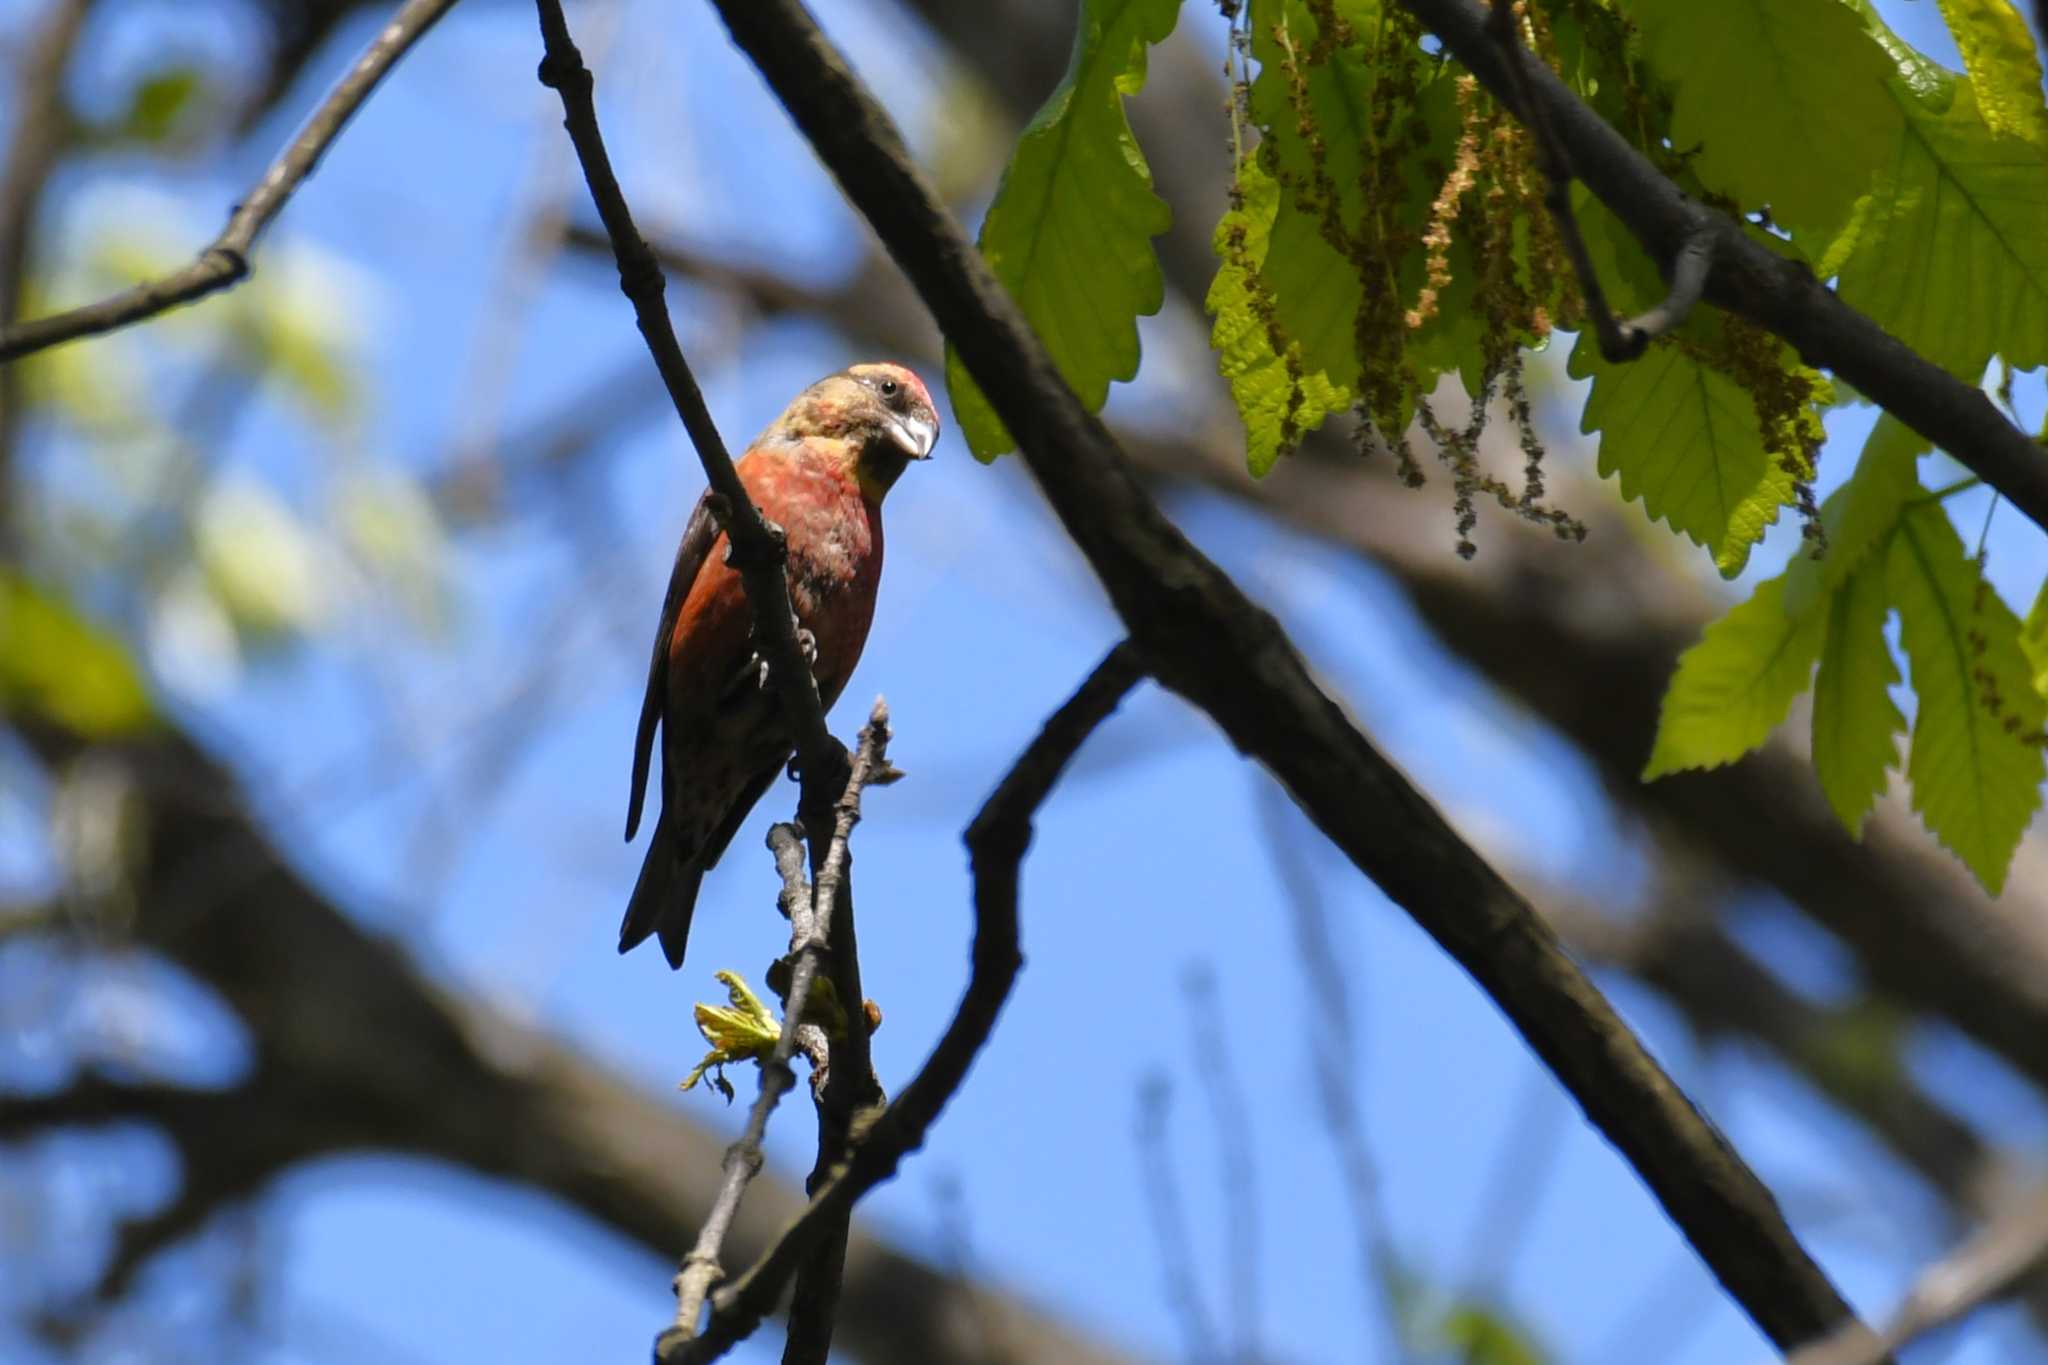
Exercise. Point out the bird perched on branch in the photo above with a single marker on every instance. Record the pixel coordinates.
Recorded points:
(820, 472)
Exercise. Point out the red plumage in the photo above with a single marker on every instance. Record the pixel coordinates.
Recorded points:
(820, 472)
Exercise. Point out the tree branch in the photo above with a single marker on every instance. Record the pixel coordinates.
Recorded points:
(1619, 341)
(810, 933)
(756, 547)
(225, 260)
(1746, 278)
(996, 841)
(1958, 1284)
(1201, 637)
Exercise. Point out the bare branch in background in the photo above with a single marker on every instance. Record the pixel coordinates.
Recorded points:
(1209, 1051)
(1202, 638)
(1981, 1269)
(1162, 1190)
(996, 842)
(1746, 278)
(225, 261)
(1339, 1061)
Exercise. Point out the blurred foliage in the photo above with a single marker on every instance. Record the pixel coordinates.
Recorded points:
(57, 665)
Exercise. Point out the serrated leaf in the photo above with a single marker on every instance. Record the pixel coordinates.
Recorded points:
(1860, 514)
(1998, 52)
(1685, 440)
(1784, 99)
(1855, 722)
(1951, 250)
(1277, 407)
(57, 664)
(1975, 771)
(1734, 687)
(1070, 230)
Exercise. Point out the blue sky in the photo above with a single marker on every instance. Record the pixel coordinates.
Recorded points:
(1152, 859)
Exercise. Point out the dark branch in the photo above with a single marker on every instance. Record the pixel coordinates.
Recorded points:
(225, 260)
(996, 842)
(1201, 637)
(756, 547)
(1618, 340)
(1746, 278)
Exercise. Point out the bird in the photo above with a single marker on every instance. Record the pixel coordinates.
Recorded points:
(819, 471)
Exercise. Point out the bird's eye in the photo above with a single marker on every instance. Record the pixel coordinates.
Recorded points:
(890, 388)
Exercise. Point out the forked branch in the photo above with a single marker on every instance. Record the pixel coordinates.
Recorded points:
(996, 842)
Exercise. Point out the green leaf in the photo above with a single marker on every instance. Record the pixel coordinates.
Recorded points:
(1855, 723)
(1785, 100)
(1279, 397)
(1975, 761)
(1480, 1335)
(1685, 440)
(1736, 684)
(1862, 513)
(160, 101)
(2034, 639)
(1951, 249)
(1998, 52)
(1070, 230)
(56, 664)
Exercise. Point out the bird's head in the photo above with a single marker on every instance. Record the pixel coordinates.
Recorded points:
(876, 417)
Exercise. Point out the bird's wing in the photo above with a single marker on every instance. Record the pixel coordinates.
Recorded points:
(690, 556)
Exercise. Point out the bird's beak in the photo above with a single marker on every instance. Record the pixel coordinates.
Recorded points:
(917, 435)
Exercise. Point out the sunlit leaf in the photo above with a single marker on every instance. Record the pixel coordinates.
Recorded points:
(1951, 250)
(1855, 722)
(1784, 100)
(1999, 54)
(1685, 440)
(1070, 230)
(1279, 397)
(1735, 686)
(1859, 516)
(1975, 760)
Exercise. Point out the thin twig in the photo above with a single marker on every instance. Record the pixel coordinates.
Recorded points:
(996, 841)
(848, 1085)
(1618, 340)
(756, 547)
(700, 1268)
(225, 260)
(1339, 1065)
(1981, 1269)
(1161, 1186)
(786, 842)
(1231, 1112)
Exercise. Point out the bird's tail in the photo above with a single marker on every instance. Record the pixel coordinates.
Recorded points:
(663, 899)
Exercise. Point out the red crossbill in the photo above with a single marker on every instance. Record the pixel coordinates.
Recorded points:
(819, 472)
